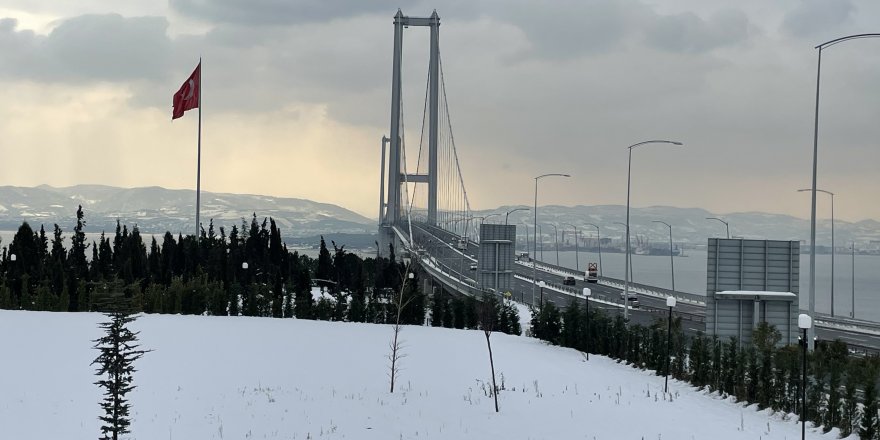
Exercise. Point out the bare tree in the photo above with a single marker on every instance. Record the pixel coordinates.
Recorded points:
(488, 318)
(395, 345)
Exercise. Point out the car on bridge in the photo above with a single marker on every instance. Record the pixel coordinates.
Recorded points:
(568, 281)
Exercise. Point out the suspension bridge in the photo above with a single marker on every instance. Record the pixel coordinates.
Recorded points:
(424, 211)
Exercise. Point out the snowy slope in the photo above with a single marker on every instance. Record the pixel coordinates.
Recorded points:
(238, 378)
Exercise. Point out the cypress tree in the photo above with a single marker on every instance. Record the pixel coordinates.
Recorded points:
(448, 313)
(570, 325)
(849, 406)
(437, 308)
(837, 353)
(302, 299)
(325, 267)
(869, 426)
(695, 363)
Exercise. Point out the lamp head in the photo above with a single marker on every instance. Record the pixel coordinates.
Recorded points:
(411, 275)
(244, 265)
(542, 284)
(804, 321)
(670, 301)
(587, 291)
(12, 257)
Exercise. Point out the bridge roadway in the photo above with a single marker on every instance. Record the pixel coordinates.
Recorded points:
(441, 246)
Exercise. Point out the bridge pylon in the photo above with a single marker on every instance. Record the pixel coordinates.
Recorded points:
(390, 208)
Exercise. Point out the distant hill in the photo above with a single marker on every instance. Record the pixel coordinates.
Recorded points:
(689, 225)
(156, 210)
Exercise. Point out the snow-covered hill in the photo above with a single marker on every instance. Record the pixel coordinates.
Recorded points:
(156, 210)
(261, 378)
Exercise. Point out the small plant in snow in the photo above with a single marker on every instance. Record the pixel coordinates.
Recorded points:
(118, 351)
(396, 343)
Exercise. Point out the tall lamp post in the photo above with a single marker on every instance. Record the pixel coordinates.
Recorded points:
(626, 251)
(671, 260)
(670, 302)
(815, 163)
(577, 261)
(853, 313)
(556, 241)
(628, 180)
(483, 219)
(832, 241)
(535, 241)
(726, 225)
(507, 214)
(599, 244)
(587, 293)
(804, 323)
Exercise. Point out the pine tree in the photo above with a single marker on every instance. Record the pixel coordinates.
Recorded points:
(849, 405)
(303, 303)
(324, 272)
(836, 358)
(118, 351)
(870, 426)
(571, 318)
(437, 308)
(79, 269)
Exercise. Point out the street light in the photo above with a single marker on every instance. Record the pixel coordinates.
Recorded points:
(535, 241)
(628, 180)
(599, 243)
(726, 225)
(627, 252)
(483, 219)
(671, 260)
(556, 240)
(512, 211)
(577, 262)
(815, 163)
(832, 242)
(853, 313)
(670, 302)
(587, 293)
(804, 323)
(527, 237)
(12, 257)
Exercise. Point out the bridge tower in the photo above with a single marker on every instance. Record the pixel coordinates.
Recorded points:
(390, 207)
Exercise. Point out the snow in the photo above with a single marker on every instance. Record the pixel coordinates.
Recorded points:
(263, 378)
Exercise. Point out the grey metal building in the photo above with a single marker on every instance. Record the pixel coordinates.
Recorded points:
(495, 259)
(752, 281)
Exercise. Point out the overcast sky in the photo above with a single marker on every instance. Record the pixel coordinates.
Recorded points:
(296, 97)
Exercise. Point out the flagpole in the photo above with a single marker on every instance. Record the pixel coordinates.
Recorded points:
(199, 159)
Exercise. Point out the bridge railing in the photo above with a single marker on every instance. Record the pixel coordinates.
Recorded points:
(577, 293)
(643, 289)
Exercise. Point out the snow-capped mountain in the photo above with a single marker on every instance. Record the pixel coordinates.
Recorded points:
(156, 210)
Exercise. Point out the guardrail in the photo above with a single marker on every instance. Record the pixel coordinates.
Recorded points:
(850, 324)
(643, 289)
(822, 320)
(694, 317)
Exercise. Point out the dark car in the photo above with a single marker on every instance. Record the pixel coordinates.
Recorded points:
(568, 281)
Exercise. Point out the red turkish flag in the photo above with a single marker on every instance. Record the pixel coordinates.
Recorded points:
(187, 97)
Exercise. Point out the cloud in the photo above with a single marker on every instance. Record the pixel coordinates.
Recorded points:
(818, 17)
(689, 33)
(280, 12)
(88, 48)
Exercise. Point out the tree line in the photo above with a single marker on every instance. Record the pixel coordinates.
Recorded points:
(248, 271)
(841, 388)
